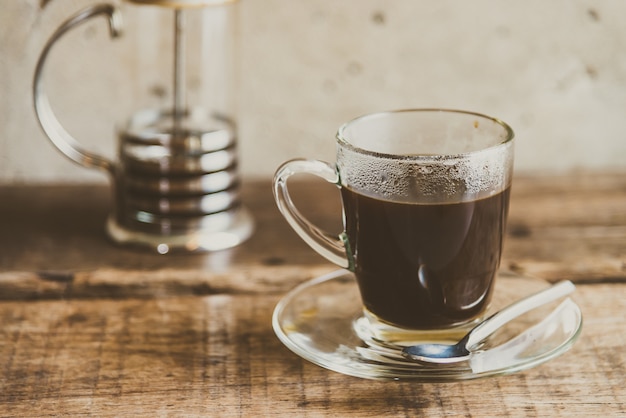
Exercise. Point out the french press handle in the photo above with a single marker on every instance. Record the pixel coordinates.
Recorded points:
(46, 117)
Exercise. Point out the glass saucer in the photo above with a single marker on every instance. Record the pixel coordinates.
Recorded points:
(322, 321)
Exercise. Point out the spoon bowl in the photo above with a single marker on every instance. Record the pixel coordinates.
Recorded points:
(434, 353)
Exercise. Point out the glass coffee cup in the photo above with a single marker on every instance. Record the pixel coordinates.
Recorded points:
(425, 196)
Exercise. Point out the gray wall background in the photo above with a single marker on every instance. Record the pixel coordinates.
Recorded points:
(554, 70)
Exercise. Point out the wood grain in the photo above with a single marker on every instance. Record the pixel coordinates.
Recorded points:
(90, 329)
(218, 355)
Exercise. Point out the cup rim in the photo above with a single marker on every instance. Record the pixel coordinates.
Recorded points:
(343, 141)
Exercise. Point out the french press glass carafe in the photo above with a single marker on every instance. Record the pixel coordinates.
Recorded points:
(175, 178)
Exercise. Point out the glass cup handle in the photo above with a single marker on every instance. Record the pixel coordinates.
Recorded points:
(332, 247)
(46, 117)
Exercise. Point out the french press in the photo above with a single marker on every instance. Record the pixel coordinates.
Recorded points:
(175, 180)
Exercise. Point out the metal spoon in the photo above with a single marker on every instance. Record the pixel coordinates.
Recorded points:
(453, 353)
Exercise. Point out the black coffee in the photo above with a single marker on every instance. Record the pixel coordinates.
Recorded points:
(425, 266)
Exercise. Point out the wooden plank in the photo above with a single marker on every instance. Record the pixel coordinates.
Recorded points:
(571, 227)
(69, 222)
(217, 355)
(120, 284)
(92, 329)
(559, 227)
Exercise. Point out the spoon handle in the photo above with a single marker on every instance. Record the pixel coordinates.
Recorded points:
(497, 320)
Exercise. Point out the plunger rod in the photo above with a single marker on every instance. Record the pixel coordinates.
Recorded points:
(179, 68)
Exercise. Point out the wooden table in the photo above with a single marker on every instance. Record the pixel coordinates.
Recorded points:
(87, 328)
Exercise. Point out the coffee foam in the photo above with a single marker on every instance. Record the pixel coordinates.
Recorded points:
(427, 179)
